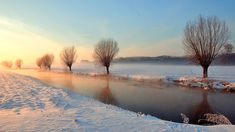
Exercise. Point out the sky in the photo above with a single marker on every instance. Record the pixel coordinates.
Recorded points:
(30, 28)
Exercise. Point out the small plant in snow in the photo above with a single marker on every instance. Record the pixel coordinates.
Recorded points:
(185, 118)
(140, 114)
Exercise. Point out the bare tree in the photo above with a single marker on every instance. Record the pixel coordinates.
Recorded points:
(105, 51)
(228, 48)
(47, 61)
(18, 63)
(7, 64)
(68, 56)
(39, 62)
(204, 39)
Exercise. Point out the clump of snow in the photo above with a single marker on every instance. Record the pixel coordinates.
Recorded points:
(196, 82)
(29, 105)
(218, 85)
(232, 85)
(189, 81)
(141, 78)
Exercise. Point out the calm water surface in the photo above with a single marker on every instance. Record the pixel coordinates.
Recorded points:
(163, 101)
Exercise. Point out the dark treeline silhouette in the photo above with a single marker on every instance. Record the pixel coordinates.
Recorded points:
(170, 60)
(173, 60)
(228, 57)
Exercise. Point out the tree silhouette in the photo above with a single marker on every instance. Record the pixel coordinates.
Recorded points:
(105, 51)
(39, 62)
(18, 63)
(47, 61)
(68, 56)
(203, 40)
(7, 64)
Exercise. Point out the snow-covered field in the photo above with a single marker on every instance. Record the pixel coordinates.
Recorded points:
(27, 104)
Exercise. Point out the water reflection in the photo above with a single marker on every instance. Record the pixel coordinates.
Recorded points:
(200, 109)
(105, 94)
(163, 101)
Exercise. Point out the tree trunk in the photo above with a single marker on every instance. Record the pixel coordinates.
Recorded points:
(205, 71)
(70, 69)
(107, 69)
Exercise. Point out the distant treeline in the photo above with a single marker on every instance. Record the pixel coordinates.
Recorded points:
(225, 59)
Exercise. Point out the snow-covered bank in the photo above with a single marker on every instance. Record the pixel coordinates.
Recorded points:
(187, 81)
(198, 82)
(221, 77)
(29, 105)
(153, 70)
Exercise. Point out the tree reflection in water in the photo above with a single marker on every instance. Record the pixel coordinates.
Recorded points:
(202, 108)
(106, 95)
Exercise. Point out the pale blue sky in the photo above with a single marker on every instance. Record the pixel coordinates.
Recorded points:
(142, 27)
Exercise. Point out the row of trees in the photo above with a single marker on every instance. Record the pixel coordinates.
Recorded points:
(68, 56)
(104, 53)
(9, 64)
(204, 39)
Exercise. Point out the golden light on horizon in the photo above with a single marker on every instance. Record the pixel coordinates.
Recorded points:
(16, 41)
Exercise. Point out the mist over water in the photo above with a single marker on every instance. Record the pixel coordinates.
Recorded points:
(154, 70)
(165, 101)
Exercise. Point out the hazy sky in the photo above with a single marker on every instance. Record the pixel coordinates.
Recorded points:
(29, 28)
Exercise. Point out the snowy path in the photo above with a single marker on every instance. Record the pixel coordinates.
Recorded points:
(29, 105)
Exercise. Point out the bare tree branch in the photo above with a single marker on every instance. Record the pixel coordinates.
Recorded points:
(203, 40)
(45, 61)
(228, 48)
(105, 51)
(68, 56)
(39, 62)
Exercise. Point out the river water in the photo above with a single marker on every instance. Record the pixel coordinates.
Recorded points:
(165, 101)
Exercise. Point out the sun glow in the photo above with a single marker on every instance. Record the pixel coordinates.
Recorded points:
(18, 42)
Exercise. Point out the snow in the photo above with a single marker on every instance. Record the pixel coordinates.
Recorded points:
(146, 70)
(198, 82)
(218, 85)
(188, 81)
(27, 104)
(222, 77)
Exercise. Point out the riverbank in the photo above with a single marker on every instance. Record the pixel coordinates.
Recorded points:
(29, 105)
